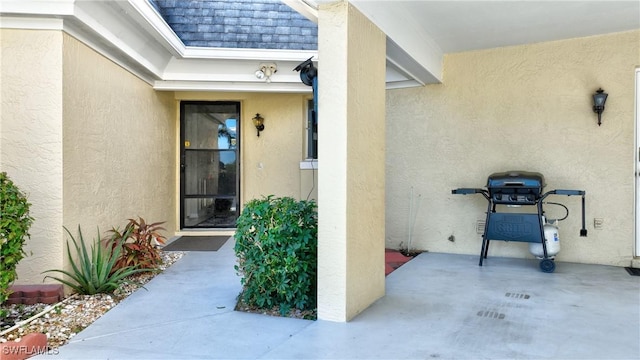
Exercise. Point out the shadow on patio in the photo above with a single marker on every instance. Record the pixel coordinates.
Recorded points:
(436, 306)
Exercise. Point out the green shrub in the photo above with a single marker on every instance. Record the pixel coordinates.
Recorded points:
(138, 240)
(14, 230)
(93, 272)
(276, 247)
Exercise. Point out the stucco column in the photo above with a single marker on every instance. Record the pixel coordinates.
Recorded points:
(351, 151)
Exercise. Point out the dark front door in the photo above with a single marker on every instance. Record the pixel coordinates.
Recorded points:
(209, 169)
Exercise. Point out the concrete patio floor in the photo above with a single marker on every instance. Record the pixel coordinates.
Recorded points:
(437, 306)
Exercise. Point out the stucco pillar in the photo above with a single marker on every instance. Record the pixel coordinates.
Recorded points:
(351, 152)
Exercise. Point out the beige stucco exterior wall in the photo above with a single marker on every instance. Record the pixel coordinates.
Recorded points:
(31, 139)
(119, 145)
(351, 148)
(522, 107)
(270, 164)
(87, 141)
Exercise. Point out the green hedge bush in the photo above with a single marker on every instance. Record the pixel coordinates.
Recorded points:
(14, 230)
(276, 247)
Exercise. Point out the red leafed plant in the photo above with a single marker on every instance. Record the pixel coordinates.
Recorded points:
(139, 244)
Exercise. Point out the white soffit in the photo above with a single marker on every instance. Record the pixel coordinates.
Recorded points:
(133, 35)
(409, 46)
(473, 25)
(410, 62)
(238, 75)
(231, 86)
(419, 32)
(102, 25)
(37, 7)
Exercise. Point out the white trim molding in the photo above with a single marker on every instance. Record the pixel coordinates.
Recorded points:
(309, 164)
(133, 35)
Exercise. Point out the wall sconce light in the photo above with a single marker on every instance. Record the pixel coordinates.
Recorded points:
(266, 70)
(258, 121)
(599, 98)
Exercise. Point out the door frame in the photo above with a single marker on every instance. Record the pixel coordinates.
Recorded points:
(636, 251)
(181, 159)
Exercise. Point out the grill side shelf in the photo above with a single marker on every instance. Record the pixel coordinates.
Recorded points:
(567, 192)
(583, 231)
(467, 191)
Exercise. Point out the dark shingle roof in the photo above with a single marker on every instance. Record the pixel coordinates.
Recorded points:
(253, 24)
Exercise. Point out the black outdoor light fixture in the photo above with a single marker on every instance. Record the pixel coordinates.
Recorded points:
(308, 72)
(599, 98)
(258, 121)
(309, 77)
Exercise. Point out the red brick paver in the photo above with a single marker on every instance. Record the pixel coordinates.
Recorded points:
(394, 259)
(33, 294)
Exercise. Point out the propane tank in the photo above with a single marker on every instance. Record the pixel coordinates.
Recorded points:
(552, 241)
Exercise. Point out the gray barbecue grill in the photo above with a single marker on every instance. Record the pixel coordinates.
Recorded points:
(518, 188)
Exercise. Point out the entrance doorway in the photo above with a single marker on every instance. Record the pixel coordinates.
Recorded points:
(209, 168)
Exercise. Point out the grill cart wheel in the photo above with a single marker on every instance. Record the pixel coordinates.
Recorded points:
(547, 265)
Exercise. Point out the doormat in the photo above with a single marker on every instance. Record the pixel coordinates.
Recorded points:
(633, 271)
(196, 243)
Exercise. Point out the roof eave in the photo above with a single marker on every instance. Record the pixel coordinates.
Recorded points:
(132, 34)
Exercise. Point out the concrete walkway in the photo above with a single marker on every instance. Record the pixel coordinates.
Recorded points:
(437, 306)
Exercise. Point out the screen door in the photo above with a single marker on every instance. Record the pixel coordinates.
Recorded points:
(209, 169)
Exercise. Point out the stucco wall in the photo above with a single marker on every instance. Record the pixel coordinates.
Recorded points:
(31, 139)
(87, 141)
(351, 132)
(119, 145)
(270, 164)
(527, 108)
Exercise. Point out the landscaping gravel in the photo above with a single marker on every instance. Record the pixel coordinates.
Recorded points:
(62, 321)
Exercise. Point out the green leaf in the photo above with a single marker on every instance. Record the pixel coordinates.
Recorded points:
(93, 269)
(276, 249)
(14, 230)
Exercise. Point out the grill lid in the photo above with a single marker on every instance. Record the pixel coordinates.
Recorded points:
(515, 187)
(516, 179)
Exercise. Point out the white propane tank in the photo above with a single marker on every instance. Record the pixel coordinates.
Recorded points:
(552, 241)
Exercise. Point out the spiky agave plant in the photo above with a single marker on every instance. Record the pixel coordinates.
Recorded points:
(93, 271)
